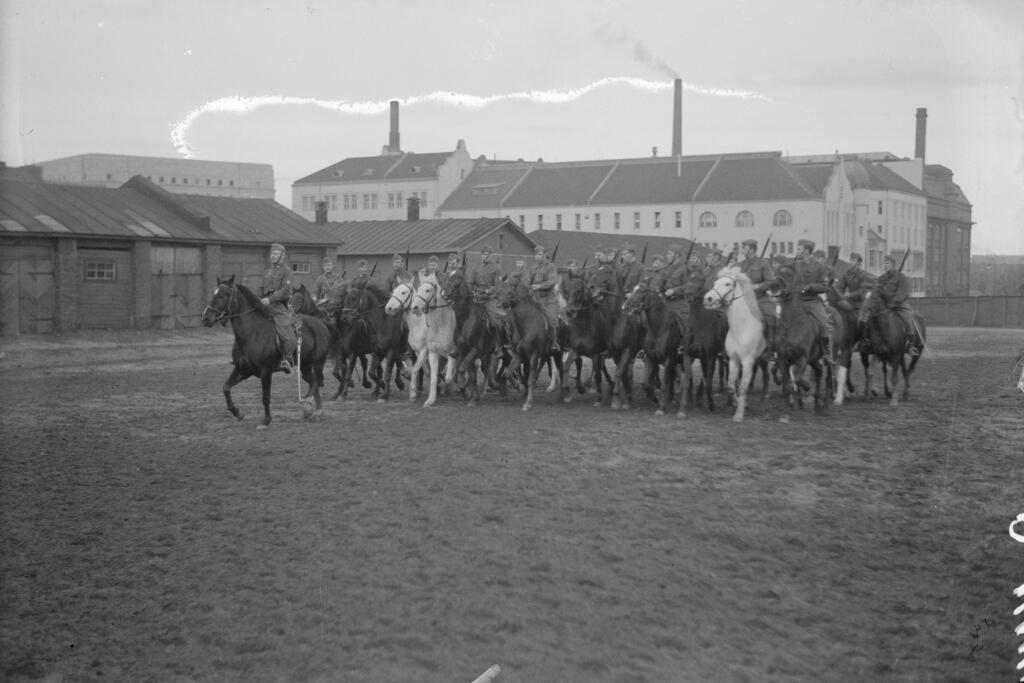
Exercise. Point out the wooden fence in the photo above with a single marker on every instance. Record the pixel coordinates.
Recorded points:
(971, 311)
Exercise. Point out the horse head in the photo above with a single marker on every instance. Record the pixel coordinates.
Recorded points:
(357, 301)
(427, 296)
(636, 300)
(725, 290)
(869, 307)
(576, 297)
(401, 297)
(223, 303)
(301, 301)
(455, 286)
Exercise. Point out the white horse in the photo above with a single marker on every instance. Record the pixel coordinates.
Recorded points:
(745, 342)
(431, 322)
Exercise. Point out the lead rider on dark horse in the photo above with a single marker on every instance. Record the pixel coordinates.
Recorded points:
(276, 290)
(807, 278)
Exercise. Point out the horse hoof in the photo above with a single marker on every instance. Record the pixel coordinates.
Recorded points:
(616, 405)
(596, 404)
(659, 413)
(680, 414)
(427, 404)
(260, 427)
(737, 418)
(381, 400)
(784, 419)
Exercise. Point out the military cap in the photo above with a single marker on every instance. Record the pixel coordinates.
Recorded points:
(362, 263)
(657, 257)
(627, 247)
(820, 253)
(889, 258)
(453, 253)
(433, 259)
(750, 243)
(326, 259)
(856, 257)
(396, 255)
(486, 249)
(539, 249)
(275, 245)
(571, 263)
(805, 244)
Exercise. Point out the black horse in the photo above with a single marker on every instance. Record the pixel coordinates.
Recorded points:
(798, 344)
(883, 336)
(533, 334)
(479, 338)
(588, 331)
(703, 340)
(255, 351)
(364, 328)
(662, 337)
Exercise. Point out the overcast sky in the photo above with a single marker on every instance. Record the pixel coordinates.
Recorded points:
(162, 78)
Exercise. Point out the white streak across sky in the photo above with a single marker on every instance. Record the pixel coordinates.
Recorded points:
(243, 105)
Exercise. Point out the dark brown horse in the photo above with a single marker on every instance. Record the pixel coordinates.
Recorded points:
(661, 340)
(532, 337)
(883, 336)
(703, 340)
(255, 351)
(588, 329)
(364, 328)
(302, 301)
(479, 338)
(798, 344)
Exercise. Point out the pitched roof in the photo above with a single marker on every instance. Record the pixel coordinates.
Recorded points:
(938, 183)
(140, 209)
(427, 236)
(389, 167)
(760, 176)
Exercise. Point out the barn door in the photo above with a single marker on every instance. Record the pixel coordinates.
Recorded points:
(177, 299)
(27, 292)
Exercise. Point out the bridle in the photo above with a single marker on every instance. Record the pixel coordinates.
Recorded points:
(429, 303)
(223, 315)
(736, 293)
(404, 302)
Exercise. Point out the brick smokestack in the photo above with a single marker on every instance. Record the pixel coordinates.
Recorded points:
(393, 141)
(921, 133)
(677, 118)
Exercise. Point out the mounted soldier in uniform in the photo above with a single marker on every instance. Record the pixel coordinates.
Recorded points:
(398, 273)
(543, 278)
(629, 271)
(602, 278)
(807, 278)
(678, 284)
(852, 284)
(276, 290)
(761, 276)
(482, 279)
(362, 277)
(894, 288)
(326, 283)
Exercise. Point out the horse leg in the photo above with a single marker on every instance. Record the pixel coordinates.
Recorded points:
(580, 387)
(533, 371)
(841, 379)
(265, 377)
(421, 357)
(709, 379)
(387, 367)
(554, 371)
(434, 359)
(686, 388)
(571, 356)
(898, 367)
(742, 384)
(668, 380)
(234, 378)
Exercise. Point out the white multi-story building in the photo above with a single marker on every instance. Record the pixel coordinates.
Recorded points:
(181, 176)
(379, 187)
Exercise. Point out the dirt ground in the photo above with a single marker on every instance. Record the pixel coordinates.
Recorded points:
(149, 536)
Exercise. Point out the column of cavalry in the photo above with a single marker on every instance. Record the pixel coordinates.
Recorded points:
(474, 328)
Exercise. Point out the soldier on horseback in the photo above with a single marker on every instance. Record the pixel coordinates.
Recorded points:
(542, 279)
(326, 283)
(602, 279)
(363, 276)
(481, 281)
(807, 278)
(629, 272)
(894, 288)
(852, 284)
(761, 275)
(398, 272)
(678, 283)
(276, 290)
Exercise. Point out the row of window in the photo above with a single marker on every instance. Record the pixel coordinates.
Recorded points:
(185, 181)
(366, 200)
(744, 219)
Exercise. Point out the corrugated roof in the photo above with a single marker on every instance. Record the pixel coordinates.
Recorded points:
(815, 175)
(390, 167)
(140, 209)
(428, 236)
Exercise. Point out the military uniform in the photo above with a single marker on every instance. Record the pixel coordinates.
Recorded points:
(325, 284)
(544, 276)
(894, 288)
(482, 280)
(809, 279)
(397, 277)
(276, 286)
(679, 284)
(629, 275)
(853, 284)
(761, 276)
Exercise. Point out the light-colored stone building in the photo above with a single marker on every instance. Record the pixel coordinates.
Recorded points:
(181, 176)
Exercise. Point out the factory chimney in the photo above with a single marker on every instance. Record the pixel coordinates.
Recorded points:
(393, 142)
(677, 118)
(919, 138)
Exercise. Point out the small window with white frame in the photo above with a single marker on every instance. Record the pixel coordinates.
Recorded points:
(300, 268)
(105, 271)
